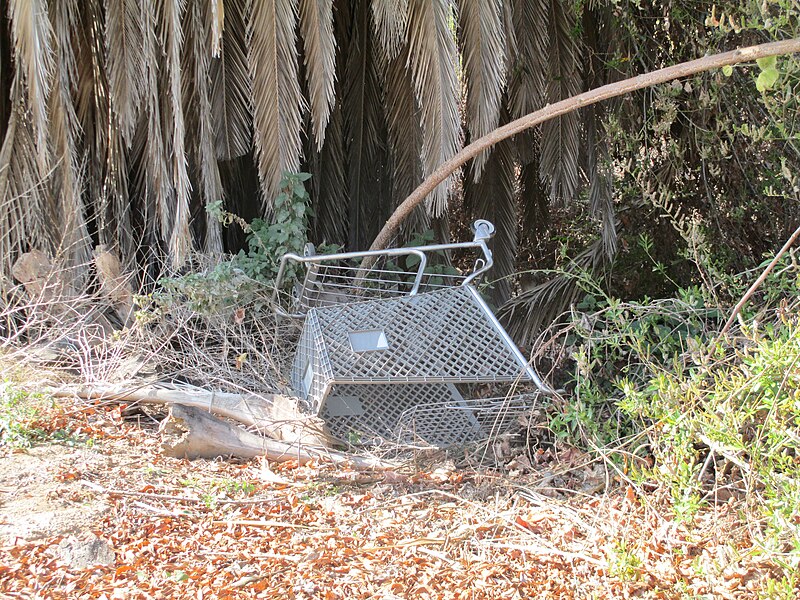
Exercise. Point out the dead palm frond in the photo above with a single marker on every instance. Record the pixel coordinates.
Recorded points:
(561, 136)
(180, 241)
(404, 137)
(124, 41)
(73, 235)
(316, 26)
(33, 54)
(390, 18)
(529, 313)
(434, 72)
(231, 85)
(528, 66)
(200, 44)
(363, 119)
(481, 37)
(276, 98)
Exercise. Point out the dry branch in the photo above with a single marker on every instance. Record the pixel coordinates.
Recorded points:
(551, 111)
(54, 298)
(189, 432)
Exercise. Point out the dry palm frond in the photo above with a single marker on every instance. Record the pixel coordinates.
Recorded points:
(230, 87)
(529, 64)
(23, 222)
(390, 18)
(276, 97)
(481, 36)
(67, 188)
(534, 199)
(210, 182)
(124, 41)
(180, 241)
(533, 310)
(404, 138)
(328, 185)
(362, 121)
(601, 200)
(156, 173)
(316, 25)
(434, 63)
(216, 16)
(33, 54)
(561, 136)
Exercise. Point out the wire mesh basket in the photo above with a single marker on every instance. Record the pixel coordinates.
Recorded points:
(382, 361)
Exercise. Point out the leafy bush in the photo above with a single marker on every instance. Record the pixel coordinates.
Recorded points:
(249, 274)
(713, 416)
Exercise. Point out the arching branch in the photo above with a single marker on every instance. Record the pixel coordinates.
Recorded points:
(707, 63)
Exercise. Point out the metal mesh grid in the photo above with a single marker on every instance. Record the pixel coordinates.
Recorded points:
(443, 336)
(328, 284)
(427, 414)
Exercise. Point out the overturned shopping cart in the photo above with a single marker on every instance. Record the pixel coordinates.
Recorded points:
(407, 350)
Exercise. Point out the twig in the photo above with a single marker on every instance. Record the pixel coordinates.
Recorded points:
(270, 523)
(183, 499)
(759, 281)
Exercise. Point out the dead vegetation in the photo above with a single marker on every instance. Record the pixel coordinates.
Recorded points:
(93, 503)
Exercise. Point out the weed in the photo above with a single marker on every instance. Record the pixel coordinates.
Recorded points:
(624, 563)
(20, 417)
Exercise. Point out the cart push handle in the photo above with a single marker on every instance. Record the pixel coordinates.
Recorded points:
(346, 286)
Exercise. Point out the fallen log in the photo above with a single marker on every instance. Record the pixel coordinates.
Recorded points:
(274, 415)
(191, 433)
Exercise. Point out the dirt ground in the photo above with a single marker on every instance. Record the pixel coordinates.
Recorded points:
(97, 512)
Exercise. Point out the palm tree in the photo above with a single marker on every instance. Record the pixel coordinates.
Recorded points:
(125, 117)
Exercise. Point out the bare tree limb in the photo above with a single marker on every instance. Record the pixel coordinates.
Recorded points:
(759, 281)
(612, 90)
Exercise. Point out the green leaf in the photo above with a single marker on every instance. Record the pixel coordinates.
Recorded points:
(727, 70)
(766, 79)
(767, 63)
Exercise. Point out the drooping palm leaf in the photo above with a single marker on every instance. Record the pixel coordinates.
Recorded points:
(24, 222)
(390, 18)
(33, 53)
(527, 314)
(316, 26)
(155, 164)
(200, 41)
(328, 183)
(67, 187)
(124, 41)
(404, 138)
(216, 20)
(481, 37)
(180, 240)
(526, 83)
(231, 86)
(434, 68)
(561, 136)
(362, 111)
(276, 98)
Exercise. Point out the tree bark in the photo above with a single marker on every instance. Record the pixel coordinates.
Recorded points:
(192, 433)
(551, 111)
(274, 415)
